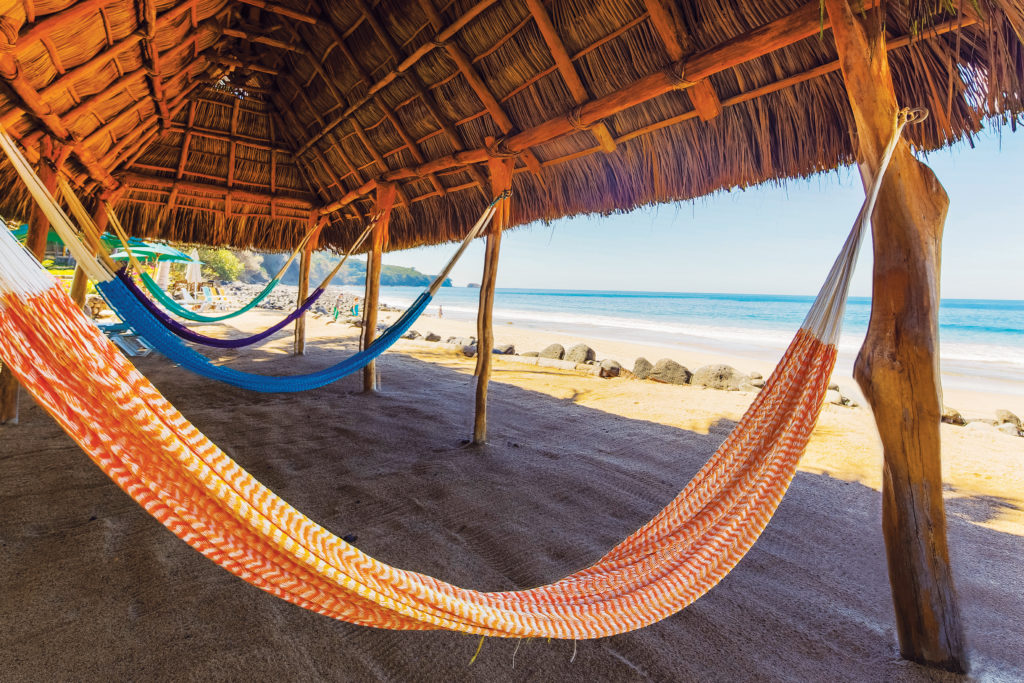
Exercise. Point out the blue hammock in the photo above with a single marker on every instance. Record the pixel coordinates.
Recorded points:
(126, 305)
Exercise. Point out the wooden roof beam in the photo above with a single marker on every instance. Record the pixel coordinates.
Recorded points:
(234, 63)
(360, 132)
(404, 66)
(139, 180)
(481, 89)
(565, 67)
(281, 10)
(805, 22)
(151, 56)
(673, 34)
(389, 113)
(262, 39)
(426, 97)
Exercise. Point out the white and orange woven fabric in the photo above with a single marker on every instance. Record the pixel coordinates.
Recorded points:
(192, 487)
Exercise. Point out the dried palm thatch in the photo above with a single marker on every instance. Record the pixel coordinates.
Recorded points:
(242, 122)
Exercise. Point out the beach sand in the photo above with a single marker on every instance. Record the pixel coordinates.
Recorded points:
(95, 589)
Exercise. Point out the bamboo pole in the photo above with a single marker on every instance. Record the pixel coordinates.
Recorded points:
(501, 180)
(897, 367)
(51, 160)
(385, 200)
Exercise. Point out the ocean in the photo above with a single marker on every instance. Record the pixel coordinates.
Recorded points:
(980, 340)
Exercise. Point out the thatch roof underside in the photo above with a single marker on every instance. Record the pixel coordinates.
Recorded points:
(243, 122)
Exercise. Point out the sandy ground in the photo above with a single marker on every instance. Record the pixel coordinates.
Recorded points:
(95, 589)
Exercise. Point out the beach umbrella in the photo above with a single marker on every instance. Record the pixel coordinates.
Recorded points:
(153, 252)
(163, 274)
(109, 241)
(194, 272)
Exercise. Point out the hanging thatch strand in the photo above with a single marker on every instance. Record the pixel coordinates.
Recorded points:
(240, 122)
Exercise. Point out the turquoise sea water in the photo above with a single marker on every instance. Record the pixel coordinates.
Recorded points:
(982, 338)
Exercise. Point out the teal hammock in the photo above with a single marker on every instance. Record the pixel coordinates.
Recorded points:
(168, 302)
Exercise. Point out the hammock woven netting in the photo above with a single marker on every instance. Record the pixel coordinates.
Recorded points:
(192, 487)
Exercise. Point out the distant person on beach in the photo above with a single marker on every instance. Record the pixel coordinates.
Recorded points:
(440, 312)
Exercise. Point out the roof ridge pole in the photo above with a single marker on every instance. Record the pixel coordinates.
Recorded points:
(501, 180)
(52, 157)
(898, 368)
(385, 200)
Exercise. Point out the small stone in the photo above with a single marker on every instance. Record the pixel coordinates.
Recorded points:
(952, 416)
(411, 334)
(451, 340)
(610, 368)
(1008, 428)
(556, 351)
(530, 354)
(431, 337)
(834, 397)
(580, 353)
(833, 386)
(642, 368)
(756, 382)
(719, 377)
(469, 351)
(668, 371)
(756, 375)
(1006, 417)
(505, 349)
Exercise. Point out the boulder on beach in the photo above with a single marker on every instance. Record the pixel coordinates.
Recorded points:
(642, 368)
(1006, 417)
(469, 350)
(431, 337)
(835, 397)
(556, 351)
(719, 376)
(610, 368)
(952, 416)
(411, 334)
(667, 371)
(505, 349)
(580, 353)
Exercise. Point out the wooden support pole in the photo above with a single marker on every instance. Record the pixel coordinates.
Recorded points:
(386, 193)
(80, 283)
(52, 158)
(898, 367)
(501, 180)
(305, 261)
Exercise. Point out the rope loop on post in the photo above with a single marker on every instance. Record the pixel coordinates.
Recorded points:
(505, 194)
(913, 114)
(677, 72)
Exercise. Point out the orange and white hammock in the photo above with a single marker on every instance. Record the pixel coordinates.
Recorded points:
(194, 489)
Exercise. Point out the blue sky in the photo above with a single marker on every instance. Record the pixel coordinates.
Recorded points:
(768, 240)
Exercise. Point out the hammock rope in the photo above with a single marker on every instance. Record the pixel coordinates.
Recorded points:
(152, 452)
(165, 299)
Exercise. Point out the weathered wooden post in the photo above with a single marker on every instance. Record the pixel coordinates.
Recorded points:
(80, 283)
(305, 260)
(52, 157)
(501, 180)
(382, 210)
(898, 367)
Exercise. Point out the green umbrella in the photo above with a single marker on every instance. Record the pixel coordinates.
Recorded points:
(109, 240)
(153, 252)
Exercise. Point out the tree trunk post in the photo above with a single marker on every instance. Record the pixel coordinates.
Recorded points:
(898, 367)
(305, 260)
(80, 283)
(382, 210)
(52, 157)
(501, 180)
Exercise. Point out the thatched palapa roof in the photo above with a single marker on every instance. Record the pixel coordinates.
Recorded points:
(241, 122)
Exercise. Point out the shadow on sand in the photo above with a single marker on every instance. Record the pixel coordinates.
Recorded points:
(96, 589)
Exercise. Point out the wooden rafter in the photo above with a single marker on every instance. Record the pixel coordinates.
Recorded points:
(674, 37)
(151, 56)
(481, 89)
(565, 67)
(140, 180)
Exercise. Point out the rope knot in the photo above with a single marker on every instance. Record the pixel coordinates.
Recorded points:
(439, 43)
(500, 150)
(575, 119)
(677, 73)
